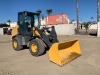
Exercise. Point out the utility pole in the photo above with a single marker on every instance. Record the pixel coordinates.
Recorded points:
(98, 18)
(97, 10)
(77, 15)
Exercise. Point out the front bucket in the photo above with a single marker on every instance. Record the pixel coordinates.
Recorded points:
(62, 53)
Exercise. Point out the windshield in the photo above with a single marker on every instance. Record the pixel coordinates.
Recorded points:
(28, 21)
(36, 22)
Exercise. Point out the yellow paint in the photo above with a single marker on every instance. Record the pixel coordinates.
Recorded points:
(15, 31)
(35, 32)
(34, 48)
(15, 44)
(62, 53)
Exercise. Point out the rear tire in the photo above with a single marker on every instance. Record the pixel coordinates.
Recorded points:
(36, 47)
(16, 45)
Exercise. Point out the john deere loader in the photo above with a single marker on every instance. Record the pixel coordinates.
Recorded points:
(29, 33)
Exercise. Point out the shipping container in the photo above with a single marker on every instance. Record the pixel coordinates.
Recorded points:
(57, 19)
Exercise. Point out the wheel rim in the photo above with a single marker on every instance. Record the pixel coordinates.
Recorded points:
(34, 48)
(15, 44)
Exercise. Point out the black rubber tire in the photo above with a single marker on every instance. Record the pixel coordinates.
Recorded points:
(19, 47)
(40, 47)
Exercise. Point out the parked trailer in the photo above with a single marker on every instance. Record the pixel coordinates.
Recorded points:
(57, 19)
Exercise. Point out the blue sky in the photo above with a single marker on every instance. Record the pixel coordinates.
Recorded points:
(10, 8)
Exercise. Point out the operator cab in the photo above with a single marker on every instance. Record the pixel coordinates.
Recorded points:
(26, 21)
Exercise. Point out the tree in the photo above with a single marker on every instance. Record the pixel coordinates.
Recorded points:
(9, 21)
(49, 11)
(87, 25)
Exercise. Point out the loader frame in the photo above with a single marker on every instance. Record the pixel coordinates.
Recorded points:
(25, 34)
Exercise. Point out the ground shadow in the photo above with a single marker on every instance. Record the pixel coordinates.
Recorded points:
(93, 34)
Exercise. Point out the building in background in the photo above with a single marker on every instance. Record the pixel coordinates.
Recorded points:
(75, 23)
(12, 24)
(43, 21)
(4, 28)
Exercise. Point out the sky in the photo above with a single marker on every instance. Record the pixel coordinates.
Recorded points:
(87, 8)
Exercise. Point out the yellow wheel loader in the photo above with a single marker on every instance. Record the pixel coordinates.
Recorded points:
(29, 33)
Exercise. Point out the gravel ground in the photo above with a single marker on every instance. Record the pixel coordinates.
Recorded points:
(23, 63)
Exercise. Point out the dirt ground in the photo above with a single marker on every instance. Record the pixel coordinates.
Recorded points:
(23, 63)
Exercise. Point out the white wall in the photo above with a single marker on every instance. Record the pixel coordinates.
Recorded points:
(12, 24)
(94, 26)
(43, 22)
(1, 30)
(64, 29)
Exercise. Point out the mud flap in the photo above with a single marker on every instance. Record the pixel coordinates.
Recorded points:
(62, 53)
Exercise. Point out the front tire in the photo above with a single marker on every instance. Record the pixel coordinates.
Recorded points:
(36, 47)
(16, 45)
